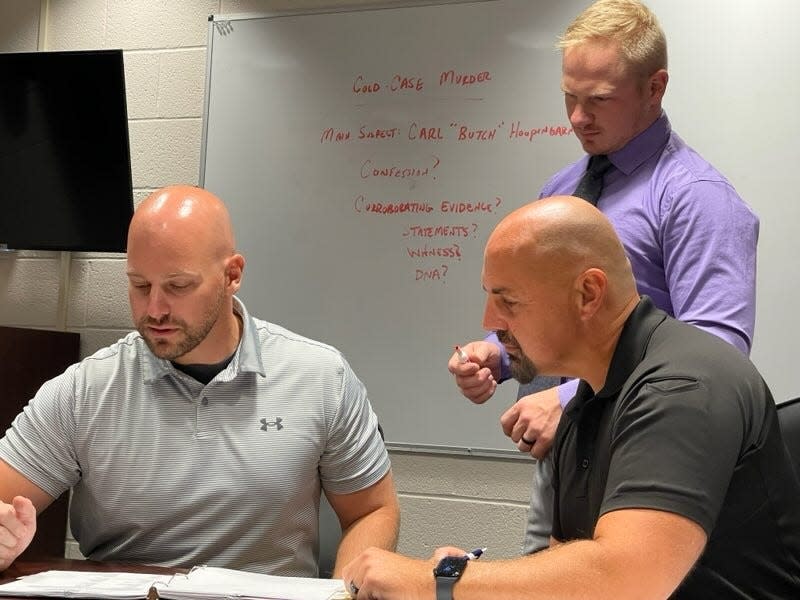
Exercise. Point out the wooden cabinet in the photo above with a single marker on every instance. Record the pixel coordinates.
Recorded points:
(28, 358)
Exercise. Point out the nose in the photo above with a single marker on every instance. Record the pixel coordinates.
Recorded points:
(578, 115)
(157, 306)
(491, 318)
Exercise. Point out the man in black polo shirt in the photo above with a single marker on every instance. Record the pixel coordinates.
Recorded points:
(671, 476)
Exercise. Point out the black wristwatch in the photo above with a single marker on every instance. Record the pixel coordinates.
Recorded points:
(447, 572)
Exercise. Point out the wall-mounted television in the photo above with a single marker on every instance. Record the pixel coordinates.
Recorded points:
(65, 174)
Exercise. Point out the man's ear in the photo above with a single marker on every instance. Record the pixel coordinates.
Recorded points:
(234, 267)
(658, 86)
(591, 287)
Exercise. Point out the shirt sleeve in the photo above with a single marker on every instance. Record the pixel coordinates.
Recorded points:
(355, 456)
(566, 391)
(673, 448)
(39, 443)
(709, 238)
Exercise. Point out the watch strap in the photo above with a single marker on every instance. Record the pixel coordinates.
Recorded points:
(444, 587)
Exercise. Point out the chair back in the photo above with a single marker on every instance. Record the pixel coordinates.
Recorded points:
(28, 358)
(789, 419)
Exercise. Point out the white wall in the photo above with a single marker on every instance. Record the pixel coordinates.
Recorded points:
(464, 501)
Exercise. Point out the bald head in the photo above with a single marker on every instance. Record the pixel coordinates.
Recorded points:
(185, 215)
(555, 239)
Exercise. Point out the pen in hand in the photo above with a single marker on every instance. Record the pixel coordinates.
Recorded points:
(475, 554)
(462, 358)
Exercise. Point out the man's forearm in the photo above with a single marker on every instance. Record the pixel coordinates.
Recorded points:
(379, 528)
(573, 571)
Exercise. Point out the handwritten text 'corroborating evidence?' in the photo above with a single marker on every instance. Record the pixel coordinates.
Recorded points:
(446, 227)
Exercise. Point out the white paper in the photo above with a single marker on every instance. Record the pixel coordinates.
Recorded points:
(213, 582)
(84, 584)
(201, 583)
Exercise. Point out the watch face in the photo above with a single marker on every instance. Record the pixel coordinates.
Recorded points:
(450, 566)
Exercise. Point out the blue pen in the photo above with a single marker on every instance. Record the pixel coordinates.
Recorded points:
(475, 553)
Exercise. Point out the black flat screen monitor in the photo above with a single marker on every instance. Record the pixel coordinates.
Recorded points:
(65, 174)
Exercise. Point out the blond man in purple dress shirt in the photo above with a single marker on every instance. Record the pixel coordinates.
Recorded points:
(689, 236)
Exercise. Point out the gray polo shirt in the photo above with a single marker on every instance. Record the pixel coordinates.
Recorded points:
(169, 471)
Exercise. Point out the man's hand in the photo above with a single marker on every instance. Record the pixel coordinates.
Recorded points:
(377, 573)
(531, 423)
(17, 526)
(477, 378)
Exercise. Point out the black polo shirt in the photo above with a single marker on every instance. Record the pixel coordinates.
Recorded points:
(685, 424)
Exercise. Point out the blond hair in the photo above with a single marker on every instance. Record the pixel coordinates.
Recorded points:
(627, 22)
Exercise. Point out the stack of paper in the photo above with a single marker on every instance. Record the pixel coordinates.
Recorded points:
(201, 583)
(212, 582)
(84, 584)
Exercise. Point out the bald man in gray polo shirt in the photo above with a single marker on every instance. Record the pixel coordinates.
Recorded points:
(207, 435)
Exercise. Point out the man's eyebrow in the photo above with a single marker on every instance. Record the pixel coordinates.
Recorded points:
(498, 290)
(191, 274)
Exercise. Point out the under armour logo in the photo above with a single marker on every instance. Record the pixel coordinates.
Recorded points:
(265, 425)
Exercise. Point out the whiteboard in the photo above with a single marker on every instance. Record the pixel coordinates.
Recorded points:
(366, 155)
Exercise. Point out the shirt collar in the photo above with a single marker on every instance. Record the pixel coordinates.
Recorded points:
(247, 357)
(629, 352)
(649, 142)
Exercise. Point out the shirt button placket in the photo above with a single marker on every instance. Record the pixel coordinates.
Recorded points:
(203, 417)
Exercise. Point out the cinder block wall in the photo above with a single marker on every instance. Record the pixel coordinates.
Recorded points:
(465, 501)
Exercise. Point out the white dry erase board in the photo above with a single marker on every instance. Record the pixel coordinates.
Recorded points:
(366, 155)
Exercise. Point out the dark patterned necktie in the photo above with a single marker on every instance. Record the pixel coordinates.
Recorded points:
(591, 184)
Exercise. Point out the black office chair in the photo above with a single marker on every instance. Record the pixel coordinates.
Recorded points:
(789, 419)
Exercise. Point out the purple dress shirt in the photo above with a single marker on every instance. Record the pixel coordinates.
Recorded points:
(689, 236)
